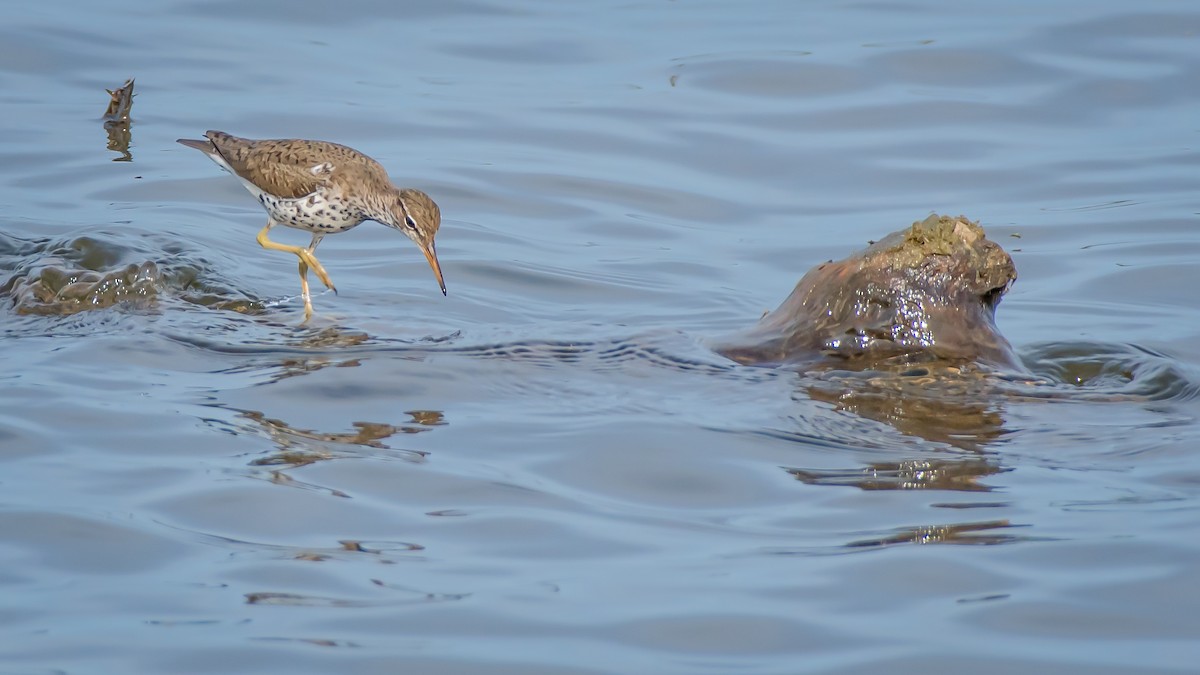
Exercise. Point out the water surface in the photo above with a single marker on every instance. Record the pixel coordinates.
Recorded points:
(548, 471)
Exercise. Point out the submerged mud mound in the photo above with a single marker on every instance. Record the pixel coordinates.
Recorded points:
(64, 277)
(55, 290)
(928, 292)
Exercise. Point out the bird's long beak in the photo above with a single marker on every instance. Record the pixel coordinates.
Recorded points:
(431, 255)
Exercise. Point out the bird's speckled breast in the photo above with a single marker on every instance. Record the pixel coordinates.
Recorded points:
(320, 212)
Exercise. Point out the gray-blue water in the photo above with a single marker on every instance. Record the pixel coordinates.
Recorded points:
(548, 471)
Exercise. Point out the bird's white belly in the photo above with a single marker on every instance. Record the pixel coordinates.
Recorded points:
(313, 213)
(318, 212)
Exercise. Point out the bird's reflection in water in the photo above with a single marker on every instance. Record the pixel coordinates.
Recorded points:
(325, 338)
(329, 336)
(316, 348)
(298, 447)
(293, 367)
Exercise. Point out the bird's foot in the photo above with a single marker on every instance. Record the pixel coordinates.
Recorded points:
(319, 270)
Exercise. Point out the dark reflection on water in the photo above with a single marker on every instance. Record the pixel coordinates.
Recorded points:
(387, 552)
(914, 474)
(960, 405)
(963, 405)
(974, 534)
(315, 642)
(297, 445)
(117, 121)
(406, 596)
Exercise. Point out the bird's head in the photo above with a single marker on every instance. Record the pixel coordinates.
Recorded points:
(418, 217)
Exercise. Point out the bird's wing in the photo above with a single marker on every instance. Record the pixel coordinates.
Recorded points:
(287, 169)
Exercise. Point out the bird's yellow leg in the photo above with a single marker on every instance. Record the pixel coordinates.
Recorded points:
(304, 290)
(316, 264)
(304, 254)
(318, 269)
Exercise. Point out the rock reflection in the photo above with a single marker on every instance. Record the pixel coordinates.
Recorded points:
(911, 474)
(949, 405)
(959, 405)
(980, 533)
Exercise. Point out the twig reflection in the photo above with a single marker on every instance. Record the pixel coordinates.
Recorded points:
(117, 121)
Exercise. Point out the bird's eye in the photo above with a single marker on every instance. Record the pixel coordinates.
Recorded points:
(408, 220)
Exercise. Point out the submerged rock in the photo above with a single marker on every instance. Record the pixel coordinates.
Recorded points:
(65, 277)
(926, 293)
(54, 290)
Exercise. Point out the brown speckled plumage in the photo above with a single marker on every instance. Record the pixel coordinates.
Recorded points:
(323, 188)
(283, 167)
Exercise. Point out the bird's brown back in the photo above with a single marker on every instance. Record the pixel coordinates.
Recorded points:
(292, 168)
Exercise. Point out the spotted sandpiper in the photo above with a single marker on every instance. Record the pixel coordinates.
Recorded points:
(322, 188)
